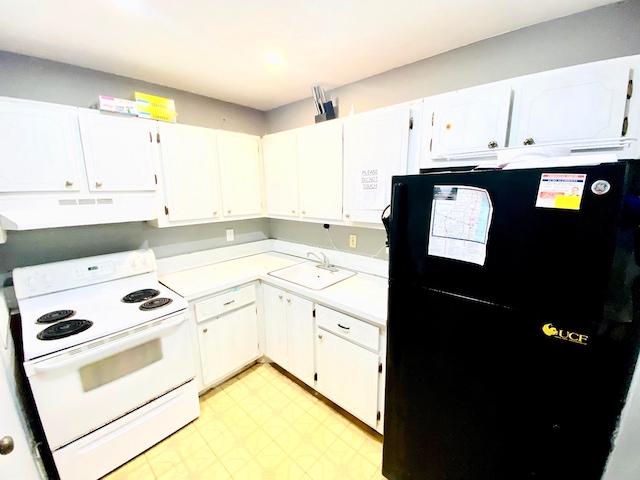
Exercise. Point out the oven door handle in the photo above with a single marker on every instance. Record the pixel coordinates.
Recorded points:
(131, 339)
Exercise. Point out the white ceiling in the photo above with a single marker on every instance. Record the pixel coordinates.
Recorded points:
(217, 48)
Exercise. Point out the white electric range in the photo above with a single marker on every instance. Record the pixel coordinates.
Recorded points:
(108, 358)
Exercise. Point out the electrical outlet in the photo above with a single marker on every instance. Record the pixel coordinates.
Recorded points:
(229, 234)
(352, 241)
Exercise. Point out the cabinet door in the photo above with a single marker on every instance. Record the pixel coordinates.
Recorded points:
(300, 338)
(190, 165)
(348, 375)
(228, 342)
(275, 318)
(40, 148)
(375, 149)
(471, 120)
(240, 178)
(118, 152)
(580, 103)
(280, 174)
(320, 171)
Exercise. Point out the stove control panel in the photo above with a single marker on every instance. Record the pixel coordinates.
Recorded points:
(54, 277)
(95, 270)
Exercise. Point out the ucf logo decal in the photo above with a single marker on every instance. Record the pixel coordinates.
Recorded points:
(550, 331)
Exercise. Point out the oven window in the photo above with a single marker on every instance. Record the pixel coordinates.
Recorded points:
(119, 365)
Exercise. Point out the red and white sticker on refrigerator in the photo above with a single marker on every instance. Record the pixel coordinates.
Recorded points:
(460, 220)
(561, 190)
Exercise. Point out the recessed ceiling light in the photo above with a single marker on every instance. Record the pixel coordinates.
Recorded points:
(273, 59)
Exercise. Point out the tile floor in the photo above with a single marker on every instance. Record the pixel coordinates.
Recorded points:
(262, 425)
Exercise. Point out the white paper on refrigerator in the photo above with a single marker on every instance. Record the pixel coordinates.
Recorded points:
(460, 221)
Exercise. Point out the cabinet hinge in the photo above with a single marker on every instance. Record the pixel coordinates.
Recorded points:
(166, 210)
(630, 89)
(380, 368)
(378, 415)
(314, 313)
(431, 145)
(156, 177)
(315, 377)
(411, 123)
(158, 137)
(150, 137)
(432, 118)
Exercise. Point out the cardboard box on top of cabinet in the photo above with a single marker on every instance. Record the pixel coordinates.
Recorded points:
(117, 105)
(156, 108)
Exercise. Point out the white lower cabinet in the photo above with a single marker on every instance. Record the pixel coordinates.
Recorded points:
(227, 332)
(289, 332)
(348, 363)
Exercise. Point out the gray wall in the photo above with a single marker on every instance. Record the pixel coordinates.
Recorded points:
(369, 242)
(606, 32)
(34, 247)
(44, 80)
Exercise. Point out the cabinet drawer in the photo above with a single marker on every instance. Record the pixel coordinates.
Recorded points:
(226, 302)
(348, 327)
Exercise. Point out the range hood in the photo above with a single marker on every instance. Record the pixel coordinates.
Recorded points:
(30, 212)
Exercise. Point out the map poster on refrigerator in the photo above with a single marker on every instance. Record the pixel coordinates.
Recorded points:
(460, 220)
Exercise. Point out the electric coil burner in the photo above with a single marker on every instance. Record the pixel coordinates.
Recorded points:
(155, 303)
(140, 295)
(56, 316)
(64, 329)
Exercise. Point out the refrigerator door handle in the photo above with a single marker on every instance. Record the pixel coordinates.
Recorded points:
(396, 224)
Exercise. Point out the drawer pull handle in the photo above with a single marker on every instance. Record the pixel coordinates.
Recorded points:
(228, 303)
(346, 328)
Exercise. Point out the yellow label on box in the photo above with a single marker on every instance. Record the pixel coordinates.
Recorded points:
(157, 114)
(152, 101)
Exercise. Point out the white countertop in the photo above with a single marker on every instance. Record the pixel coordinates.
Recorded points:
(362, 295)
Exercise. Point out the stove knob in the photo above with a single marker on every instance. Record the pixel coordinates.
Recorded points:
(31, 281)
(47, 279)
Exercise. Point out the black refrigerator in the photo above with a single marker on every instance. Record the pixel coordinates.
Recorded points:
(512, 321)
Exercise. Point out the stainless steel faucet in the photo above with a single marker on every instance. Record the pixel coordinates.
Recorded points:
(325, 261)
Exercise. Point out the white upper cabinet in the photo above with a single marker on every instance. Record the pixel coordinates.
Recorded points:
(473, 119)
(575, 104)
(240, 177)
(280, 158)
(375, 149)
(303, 172)
(118, 152)
(189, 158)
(320, 171)
(40, 147)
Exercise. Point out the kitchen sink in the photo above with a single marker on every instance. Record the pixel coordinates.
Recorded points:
(312, 275)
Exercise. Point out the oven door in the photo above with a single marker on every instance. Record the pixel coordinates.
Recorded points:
(84, 388)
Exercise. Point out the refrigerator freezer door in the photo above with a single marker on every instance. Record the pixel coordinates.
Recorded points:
(555, 259)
